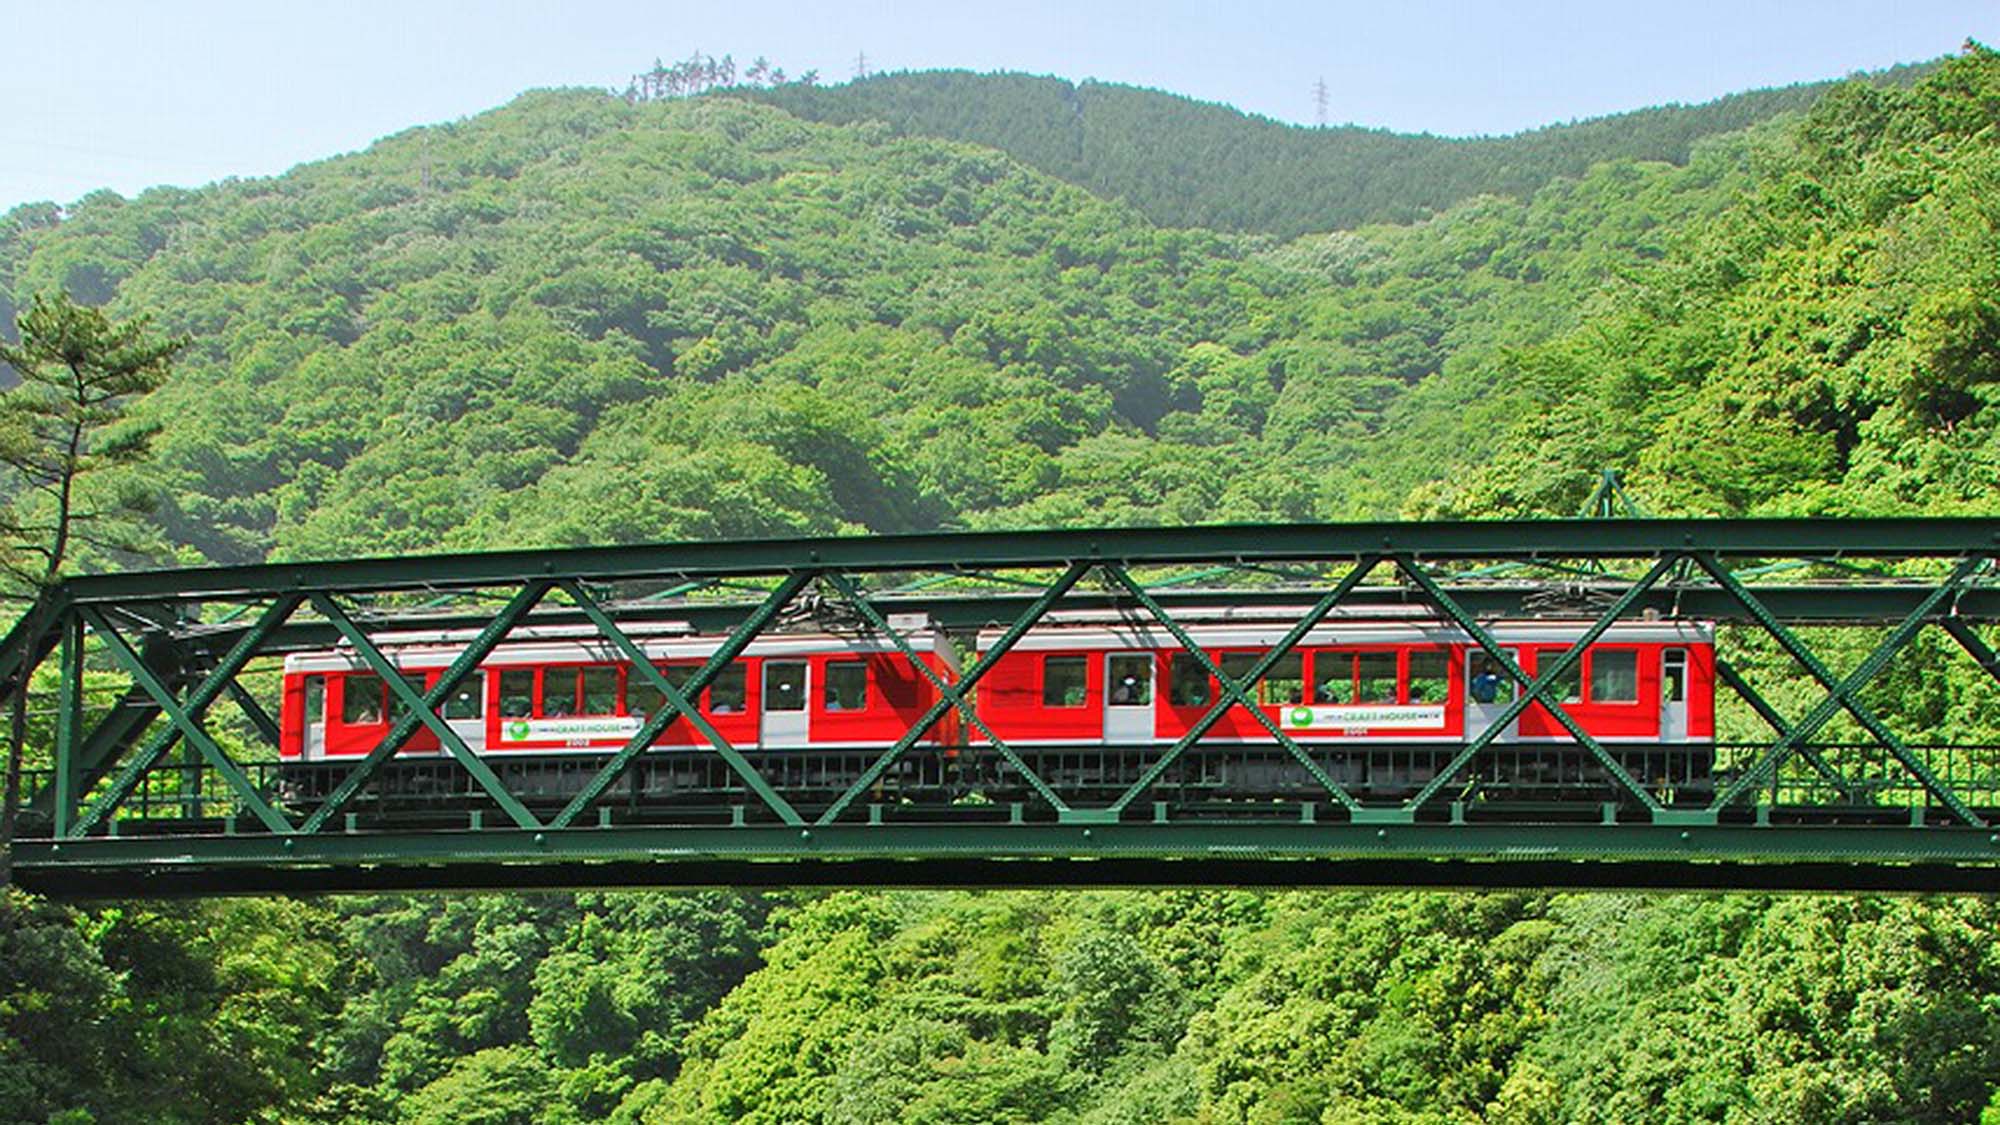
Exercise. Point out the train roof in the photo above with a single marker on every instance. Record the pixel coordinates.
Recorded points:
(582, 644)
(1266, 626)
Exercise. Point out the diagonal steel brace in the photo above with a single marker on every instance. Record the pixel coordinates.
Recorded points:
(524, 600)
(1841, 694)
(189, 724)
(1038, 608)
(408, 697)
(679, 701)
(205, 693)
(1781, 726)
(1235, 693)
(1974, 645)
(945, 689)
(1538, 687)
(267, 727)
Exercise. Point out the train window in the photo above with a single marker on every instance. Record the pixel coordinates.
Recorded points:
(361, 700)
(397, 711)
(1285, 682)
(469, 701)
(1375, 681)
(1614, 676)
(1065, 681)
(726, 693)
(1237, 665)
(1486, 680)
(784, 685)
(600, 691)
(1673, 686)
(1333, 677)
(641, 697)
(1430, 677)
(315, 700)
(1131, 679)
(1568, 687)
(517, 693)
(559, 691)
(1187, 681)
(846, 685)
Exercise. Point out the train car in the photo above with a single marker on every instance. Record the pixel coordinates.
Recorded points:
(553, 691)
(1128, 682)
(1360, 682)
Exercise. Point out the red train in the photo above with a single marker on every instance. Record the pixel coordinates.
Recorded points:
(1352, 685)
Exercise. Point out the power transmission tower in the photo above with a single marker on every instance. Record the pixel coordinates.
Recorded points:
(861, 65)
(1319, 101)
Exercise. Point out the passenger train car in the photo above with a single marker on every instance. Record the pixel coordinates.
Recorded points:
(1353, 680)
(569, 691)
(1353, 689)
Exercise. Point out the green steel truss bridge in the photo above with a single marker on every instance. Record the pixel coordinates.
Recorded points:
(151, 768)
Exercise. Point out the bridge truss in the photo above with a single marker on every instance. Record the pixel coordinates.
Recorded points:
(151, 763)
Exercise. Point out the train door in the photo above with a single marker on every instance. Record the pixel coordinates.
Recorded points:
(313, 747)
(1673, 695)
(1488, 692)
(1128, 697)
(785, 717)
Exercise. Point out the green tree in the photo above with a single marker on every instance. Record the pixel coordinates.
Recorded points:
(65, 422)
(497, 1086)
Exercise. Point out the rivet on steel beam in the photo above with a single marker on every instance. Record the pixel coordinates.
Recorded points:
(805, 833)
(55, 849)
(1086, 833)
(540, 839)
(1381, 833)
(1686, 836)
(290, 843)
(1993, 839)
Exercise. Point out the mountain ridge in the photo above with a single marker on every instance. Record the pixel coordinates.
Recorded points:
(1245, 172)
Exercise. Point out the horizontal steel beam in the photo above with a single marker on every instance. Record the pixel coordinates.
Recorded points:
(80, 884)
(1771, 857)
(1857, 604)
(1490, 539)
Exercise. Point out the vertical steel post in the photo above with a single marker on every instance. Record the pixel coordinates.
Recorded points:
(69, 723)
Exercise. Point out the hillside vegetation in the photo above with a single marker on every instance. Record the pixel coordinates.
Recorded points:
(576, 320)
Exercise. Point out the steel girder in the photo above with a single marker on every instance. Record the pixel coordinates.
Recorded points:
(147, 626)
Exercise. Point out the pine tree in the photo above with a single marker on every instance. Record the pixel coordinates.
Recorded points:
(65, 422)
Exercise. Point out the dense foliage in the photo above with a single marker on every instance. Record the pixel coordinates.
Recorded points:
(577, 319)
(931, 1008)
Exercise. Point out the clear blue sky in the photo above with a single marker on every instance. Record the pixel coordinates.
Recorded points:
(130, 94)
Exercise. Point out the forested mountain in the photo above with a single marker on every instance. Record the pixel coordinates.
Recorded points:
(577, 320)
(1183, 162)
